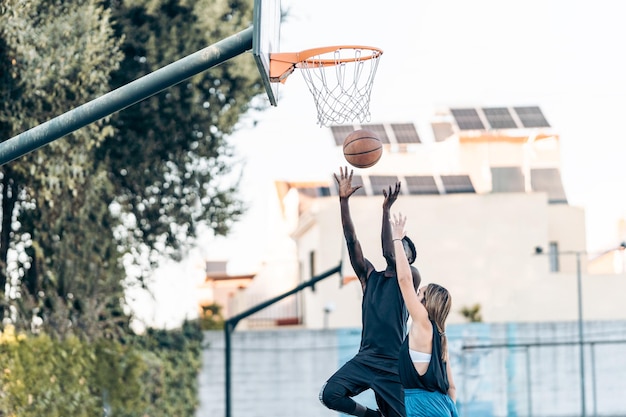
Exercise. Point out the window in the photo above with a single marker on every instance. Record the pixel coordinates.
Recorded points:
(548, 180)
(312, 264)
(507, 180)
(554, 257)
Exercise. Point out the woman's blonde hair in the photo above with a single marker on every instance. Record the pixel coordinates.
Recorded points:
(438, 303)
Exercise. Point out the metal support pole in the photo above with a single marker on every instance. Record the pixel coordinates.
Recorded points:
(593, 379)
(581, 337)
(229, 327)
(125, 96)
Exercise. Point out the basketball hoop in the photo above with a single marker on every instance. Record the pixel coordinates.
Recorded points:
(339, 77)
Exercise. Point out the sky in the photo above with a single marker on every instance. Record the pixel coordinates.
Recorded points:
(565, 56)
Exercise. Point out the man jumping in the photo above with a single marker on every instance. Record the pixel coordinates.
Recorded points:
(384, 320)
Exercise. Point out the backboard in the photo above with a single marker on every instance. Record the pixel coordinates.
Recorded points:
(266, 40)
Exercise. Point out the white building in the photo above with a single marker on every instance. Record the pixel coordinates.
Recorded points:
(482, 190)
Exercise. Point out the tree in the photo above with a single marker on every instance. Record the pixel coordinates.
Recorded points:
(211, 317)
(55, 56)
(170, 157)
(133, 188)
(472, 314)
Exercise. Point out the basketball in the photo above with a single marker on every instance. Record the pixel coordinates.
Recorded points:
(362, 149)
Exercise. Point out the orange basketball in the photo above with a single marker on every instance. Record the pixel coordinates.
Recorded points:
(362, 148)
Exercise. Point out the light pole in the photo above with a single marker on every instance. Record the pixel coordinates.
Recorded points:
(581, 340)
(581, 336)
(539, 251)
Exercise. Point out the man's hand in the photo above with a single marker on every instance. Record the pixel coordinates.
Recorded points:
(344, 183)
(390, 196)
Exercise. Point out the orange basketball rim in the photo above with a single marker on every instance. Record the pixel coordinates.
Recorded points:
(339, 77)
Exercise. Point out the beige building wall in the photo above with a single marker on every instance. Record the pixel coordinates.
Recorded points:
(480, 245)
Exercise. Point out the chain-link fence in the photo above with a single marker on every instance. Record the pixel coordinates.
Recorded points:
(543, 377)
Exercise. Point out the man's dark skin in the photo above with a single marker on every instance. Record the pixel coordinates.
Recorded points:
(384, 318)
(362, 267)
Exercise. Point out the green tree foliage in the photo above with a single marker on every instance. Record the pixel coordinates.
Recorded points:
(152, 375)
(58, 257)
(135, 187)
(472, 314)
(170, 157)
(170, 379)
(211, 317)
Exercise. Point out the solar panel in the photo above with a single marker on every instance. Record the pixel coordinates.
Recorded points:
(507, 180)
(499, 118)
(457, 184)
(531, 116)
(405, 133)
(340, 133)
(379, 130)
(380, 182)
(358, 180)
(548, 180)
(421, 184)
(442, 130)
(467, 119)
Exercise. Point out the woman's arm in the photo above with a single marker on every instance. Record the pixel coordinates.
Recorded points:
(405, 276)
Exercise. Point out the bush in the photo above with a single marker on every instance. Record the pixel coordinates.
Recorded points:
(155, 375)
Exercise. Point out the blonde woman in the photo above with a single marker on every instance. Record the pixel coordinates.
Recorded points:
(424, 369)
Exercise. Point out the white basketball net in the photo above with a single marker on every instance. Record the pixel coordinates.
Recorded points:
(341, 90)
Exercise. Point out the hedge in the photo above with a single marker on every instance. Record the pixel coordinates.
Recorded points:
(154, 375)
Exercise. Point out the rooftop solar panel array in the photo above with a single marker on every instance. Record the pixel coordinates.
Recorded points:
(531, 116)
(379, 131)
(457, 184)
(411, 184)
(340, 133)
(467, 119)
(499, 118)
(404, 133)
(421, 184)
(356, 181)
(380, 182)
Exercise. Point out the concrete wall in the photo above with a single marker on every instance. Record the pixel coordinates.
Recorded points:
(503, 369)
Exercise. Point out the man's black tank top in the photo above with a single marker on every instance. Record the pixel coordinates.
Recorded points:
(384, 317)
(435, 378)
